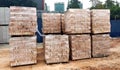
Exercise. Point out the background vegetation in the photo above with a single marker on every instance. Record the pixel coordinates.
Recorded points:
(8, 3)
(114, 7)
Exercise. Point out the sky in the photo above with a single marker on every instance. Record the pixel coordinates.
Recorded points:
(86, 3)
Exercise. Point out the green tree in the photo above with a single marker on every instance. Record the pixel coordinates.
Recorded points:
(98, 6)
(8, 3)
(115, 12)
(113, 6)
(109, 3)
(95, 3)
(73, 4)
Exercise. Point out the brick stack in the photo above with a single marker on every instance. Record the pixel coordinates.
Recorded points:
(100, 32)
(80, 46)
(77, 21)
(56, 45)
(56, 48)
(22, 21)
(51, 23)
(100, 21)
(22, 28)
(23, 50)
(86, 39)
(78, 26)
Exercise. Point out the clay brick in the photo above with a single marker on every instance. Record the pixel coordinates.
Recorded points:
(56, 48)
(100, 21)
(23, 51)
(77, 21)
(80, 46)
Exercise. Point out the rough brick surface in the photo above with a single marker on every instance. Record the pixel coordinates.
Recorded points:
(80, 46)
(77, 21)
(23, 51)
(56, 48)
(51, 23)
(23, 21)
(63, 22)
(100, 45)
(100, 21)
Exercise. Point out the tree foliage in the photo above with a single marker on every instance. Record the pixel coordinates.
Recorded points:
(8, 3)
(113, 6)
(73, 4)
(109, 3)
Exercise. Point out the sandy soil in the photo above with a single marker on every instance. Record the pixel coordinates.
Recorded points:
(111, 62)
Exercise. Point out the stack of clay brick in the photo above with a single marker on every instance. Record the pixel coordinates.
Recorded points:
(22, 28)
(78, 26)
(56, 45)
(51, 23)
(78, 33)
(100, 32)
(96, 23)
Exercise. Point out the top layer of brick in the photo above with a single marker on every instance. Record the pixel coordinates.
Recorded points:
(100, 21)
(51, 23)
(23, 21)
(77, 21)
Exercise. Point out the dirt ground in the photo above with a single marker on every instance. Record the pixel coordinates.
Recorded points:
(111, 62)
